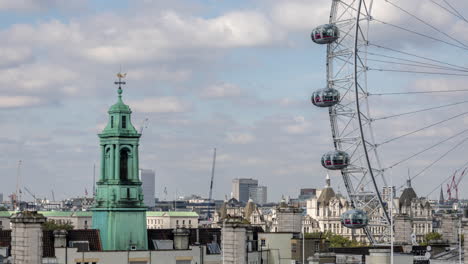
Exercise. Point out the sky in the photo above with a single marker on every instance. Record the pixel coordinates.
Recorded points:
(235, 75)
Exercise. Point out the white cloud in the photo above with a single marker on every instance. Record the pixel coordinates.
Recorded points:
(240, 138)
(18, 101)
(35, 5)
(221, 90)
(36, 77)
(300, 126)
(301, 14)
(161, 74)
(12, 56)
(168, 104)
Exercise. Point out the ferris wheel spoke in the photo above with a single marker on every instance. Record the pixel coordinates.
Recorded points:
(454, 13)
(418, 65)
(398, 59)
(419, 111)
(420, 34)
(426, 149)
(419, 72)
(416, 56)
(422, 129)
(437, 160)
(445, 180)
(425, 23)
(455, 10)
(420, 92)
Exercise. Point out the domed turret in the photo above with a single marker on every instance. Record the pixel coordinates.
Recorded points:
(354, 219)
(325, 34)
(335, 160)
(325, 97)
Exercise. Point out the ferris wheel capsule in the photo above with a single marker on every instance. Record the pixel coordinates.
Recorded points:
(325, 34)
(354, 219)
(325, 97)
(335, 160)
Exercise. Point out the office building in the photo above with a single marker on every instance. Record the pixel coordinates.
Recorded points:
(259, 194)
(148, 179)
(241, 188)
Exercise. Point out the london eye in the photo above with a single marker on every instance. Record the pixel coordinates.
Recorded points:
(396, 98)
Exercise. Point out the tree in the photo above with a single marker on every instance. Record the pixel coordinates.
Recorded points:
(431, 236)
(336, 240)
(53, 225)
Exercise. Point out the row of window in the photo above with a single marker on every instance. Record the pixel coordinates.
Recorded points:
(124, 122)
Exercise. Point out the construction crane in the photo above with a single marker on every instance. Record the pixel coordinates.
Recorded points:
(453, 186)
(30, 193)
(210, 196)
(144, 125)
(17, 197)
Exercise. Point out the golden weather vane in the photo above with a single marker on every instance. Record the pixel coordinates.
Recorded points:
(120, 76)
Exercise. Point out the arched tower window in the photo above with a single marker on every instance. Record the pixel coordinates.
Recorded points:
(124, 153)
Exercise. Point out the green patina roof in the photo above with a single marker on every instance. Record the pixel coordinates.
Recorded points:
(172, 213)
(120, 107)
(116, 112)
(53, 213)
(6, 213)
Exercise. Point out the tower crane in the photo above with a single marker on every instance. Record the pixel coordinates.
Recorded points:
(30, 193)
(210, 196)
(453, 186)
(144, 125)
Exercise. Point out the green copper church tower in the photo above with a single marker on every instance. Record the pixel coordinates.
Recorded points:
(119, 212)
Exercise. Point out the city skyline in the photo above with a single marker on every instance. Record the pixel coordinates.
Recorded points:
(242, 85)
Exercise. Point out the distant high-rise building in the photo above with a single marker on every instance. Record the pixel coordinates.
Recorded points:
(241, 188)
(307, 193)
(259, 194)
(1, 197)
(147, 178)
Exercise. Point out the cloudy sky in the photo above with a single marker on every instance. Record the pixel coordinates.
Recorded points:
(235, 75)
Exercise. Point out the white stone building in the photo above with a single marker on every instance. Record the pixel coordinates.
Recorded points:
(171, 220)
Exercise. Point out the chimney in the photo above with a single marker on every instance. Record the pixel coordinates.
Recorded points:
(234, 240)
(60, 238)
(26, 239)
(181, 238)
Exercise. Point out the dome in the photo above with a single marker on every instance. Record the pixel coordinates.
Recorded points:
(335, 160)
(325, 97)
(325, 34)
(354, 219)
(119, 107)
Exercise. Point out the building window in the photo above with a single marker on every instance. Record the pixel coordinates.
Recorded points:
(263, 242)
(124, 122)
(177, 222)
(183, 222)
(112, 121)
(124, 164)
(189, 222)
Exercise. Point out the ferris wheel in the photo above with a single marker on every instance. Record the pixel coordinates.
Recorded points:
(395, 89)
